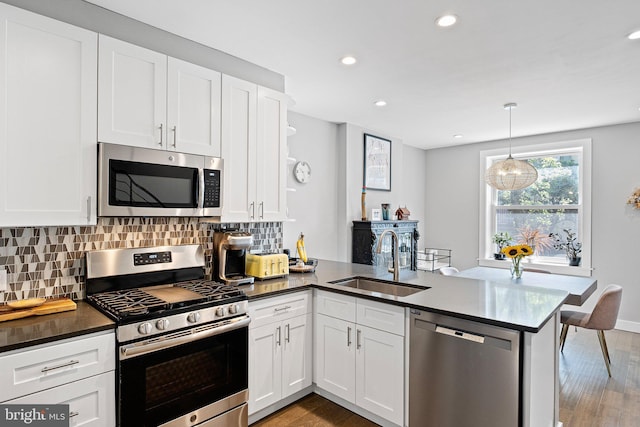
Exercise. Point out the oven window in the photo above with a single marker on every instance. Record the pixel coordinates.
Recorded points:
(151, 185)
(166, 384)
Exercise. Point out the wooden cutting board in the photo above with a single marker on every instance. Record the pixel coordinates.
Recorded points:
(49, 307)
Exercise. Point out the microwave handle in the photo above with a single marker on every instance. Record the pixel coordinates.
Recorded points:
(201, 188)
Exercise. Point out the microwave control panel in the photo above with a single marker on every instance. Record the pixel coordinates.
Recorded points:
(211, 188)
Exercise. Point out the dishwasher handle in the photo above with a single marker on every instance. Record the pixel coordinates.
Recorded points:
(460, 334)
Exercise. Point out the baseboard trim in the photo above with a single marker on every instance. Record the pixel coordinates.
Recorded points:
(353, 408)
(626, 325)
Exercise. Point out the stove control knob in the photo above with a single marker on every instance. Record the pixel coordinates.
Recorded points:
(162, 324)
(233, 309)
(145, 328)
(220, 311)
(193, 317)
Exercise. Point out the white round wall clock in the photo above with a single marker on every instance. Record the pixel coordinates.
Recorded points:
(302, 172)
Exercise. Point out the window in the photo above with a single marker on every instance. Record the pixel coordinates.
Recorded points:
(559, 200)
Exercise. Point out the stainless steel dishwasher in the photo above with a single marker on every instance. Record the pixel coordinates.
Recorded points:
(462, 373)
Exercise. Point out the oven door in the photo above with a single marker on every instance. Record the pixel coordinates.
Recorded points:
(188, 383)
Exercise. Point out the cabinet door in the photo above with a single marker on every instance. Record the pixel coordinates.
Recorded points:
(297, 354)
(265, 366)
(271, 166)
(334, 365)
(380, 373)
(47, 121)
(91, 400)
(239, 100)
(193, 102)
(132, 95)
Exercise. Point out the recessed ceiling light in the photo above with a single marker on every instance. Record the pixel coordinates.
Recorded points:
(348, 60)
(457, 136)
(634, 36)
(446, 20)
(380, 103)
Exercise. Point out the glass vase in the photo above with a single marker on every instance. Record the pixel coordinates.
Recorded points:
(516, 268)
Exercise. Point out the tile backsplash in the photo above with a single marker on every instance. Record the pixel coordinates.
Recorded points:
(49, 261)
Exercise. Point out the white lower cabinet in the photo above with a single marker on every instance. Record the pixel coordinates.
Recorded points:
(280, 348)
(79, 372)
(359, 356)
(91, 400)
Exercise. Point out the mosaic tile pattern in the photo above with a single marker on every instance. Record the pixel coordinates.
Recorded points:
(49, 261)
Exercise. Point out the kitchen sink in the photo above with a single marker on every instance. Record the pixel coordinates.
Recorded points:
(379, 286)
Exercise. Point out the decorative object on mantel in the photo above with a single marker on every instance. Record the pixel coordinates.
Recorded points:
(402, 213)
(501, 240)
(510, 174)
(634, 199)
(376, 214)
(377, 163)
(386, 211)
(516, 253)
(570, 245)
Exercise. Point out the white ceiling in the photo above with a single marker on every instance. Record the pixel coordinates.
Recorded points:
(568, 63)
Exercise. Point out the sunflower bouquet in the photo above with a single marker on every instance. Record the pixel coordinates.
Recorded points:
(516, 253)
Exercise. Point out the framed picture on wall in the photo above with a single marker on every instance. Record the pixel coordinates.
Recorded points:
(377, 163)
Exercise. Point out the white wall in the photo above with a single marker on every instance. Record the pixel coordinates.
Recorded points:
(325, 207)
(452, 176)
(313, 205)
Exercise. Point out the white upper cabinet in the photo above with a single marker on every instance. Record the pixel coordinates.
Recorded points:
(148, 99)
(48, 87)
(193, 108)
(254, 123)
(271, 167)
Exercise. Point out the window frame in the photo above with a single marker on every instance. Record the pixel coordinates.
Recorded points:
(488, 206)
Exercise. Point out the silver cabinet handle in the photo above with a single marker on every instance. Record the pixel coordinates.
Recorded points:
(286, 333)
(358, 333)
(278, 335)
(64, 365)
(261, 210)
(286, 307)
(253, 211)
(73, 414)
(161, 128)
(175, 132)
(348, 336)
(89, 209)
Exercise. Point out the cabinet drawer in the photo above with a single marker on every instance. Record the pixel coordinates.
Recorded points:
(381, 316)
(279, 308)
(335, 305)
(91, 400)
(29, 371)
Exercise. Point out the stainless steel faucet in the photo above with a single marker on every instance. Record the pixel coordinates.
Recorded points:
(394, 253)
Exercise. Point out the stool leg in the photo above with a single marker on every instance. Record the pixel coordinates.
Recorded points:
(605, 351)
(563, 336)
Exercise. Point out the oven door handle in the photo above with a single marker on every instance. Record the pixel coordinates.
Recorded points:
(182, 337)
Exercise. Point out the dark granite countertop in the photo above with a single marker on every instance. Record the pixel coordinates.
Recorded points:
(500, 303)
(15, 334)
(510, 305)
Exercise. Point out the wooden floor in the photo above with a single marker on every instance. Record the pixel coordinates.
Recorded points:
(588, 397)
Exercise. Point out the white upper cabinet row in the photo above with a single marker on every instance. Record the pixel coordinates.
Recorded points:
(61, 86)
(152, 100)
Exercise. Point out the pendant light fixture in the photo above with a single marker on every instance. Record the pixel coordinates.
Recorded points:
(510, 174)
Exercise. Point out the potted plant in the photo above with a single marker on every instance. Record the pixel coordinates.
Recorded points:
(501, 240)
(533, 237)
(570, 245)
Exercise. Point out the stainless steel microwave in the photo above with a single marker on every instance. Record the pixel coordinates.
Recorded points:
(134, 181)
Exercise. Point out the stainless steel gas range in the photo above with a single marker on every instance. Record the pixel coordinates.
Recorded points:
(182, 341)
